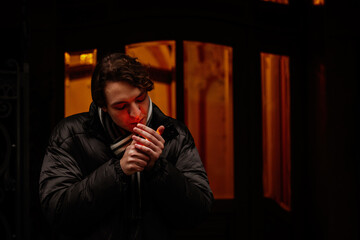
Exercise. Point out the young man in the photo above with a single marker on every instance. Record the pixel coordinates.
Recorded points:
(123, 170)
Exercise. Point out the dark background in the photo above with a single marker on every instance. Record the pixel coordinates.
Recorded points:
(323, 45)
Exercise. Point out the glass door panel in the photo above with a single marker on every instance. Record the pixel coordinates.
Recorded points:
(209, 110)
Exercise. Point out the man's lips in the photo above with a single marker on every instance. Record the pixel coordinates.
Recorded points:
(135, 123)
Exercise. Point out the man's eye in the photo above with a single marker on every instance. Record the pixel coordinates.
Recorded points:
(121, 107)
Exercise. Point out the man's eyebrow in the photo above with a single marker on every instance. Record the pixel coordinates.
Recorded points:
(120, 102)
(141, 94)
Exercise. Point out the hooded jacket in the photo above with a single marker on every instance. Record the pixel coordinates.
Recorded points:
(85, 194)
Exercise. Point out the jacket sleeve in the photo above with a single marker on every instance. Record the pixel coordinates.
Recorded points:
(68, 198)
(180, 186)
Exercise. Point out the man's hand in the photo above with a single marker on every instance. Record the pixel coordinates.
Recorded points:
(133, 160)
(152, 145)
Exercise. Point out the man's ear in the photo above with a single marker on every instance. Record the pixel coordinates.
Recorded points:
(104, 109)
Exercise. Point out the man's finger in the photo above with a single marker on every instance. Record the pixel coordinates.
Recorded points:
(148, 132)
(143, 141)
(150, 152)
(160, 130)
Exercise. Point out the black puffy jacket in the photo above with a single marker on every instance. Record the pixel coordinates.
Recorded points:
(85, 195)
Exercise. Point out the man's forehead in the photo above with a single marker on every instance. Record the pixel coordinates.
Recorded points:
(117, 92)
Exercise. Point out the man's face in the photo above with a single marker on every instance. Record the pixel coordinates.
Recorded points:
(126, 105)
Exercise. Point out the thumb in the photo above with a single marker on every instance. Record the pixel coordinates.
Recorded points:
(160, 130)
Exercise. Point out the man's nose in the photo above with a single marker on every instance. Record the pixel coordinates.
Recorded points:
(134, 110)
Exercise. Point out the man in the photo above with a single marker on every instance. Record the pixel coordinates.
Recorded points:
(123, 170)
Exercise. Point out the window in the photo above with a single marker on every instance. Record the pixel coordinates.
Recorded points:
(275, 79)
(209, 110)
(79, 67)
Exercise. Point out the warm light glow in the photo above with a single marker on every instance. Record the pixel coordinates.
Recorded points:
(319, 2)
(87, 58)
(278, 1)
(275, 79)
(67, 58)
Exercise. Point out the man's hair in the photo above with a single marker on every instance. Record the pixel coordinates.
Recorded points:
(118, 67)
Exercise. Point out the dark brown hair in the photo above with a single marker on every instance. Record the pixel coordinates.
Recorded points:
(118, 67)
